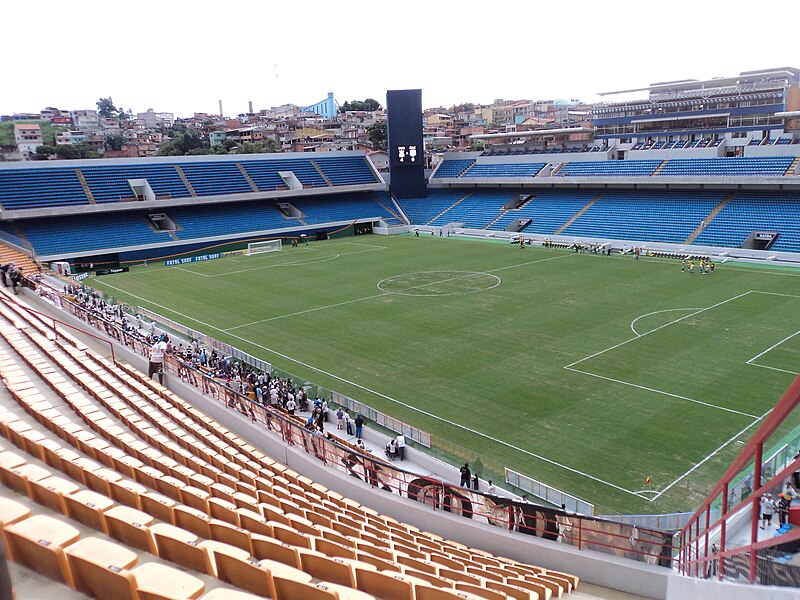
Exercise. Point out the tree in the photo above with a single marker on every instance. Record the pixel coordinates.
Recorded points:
(369, 104)
(377, 134)
(269, 145)
(44, 152)
(73, 151)
(115, 142)
(106, 108)
(187, 142)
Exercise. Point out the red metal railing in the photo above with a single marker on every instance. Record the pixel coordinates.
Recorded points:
(705, 546)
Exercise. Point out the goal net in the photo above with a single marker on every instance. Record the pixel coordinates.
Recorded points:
(266, 246)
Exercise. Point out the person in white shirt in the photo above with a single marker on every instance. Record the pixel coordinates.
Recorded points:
(156, 361)
(401, 446)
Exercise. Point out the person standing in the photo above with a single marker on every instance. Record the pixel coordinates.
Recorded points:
(156, 361)
(401, 446)
(348, 422)
(767, 510)
(291, 406)
(466, 475)
(359, 425)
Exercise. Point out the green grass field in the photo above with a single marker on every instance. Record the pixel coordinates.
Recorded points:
(586, 372)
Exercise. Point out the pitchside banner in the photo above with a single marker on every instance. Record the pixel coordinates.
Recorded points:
(190, 259)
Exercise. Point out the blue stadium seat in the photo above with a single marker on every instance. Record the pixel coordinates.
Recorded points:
(609, 168)
(453, 167)
(109, 182)
(346, 170)
(39, 188)
(733, 166)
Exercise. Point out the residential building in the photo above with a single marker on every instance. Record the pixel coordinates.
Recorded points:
(28, 137)
(85, 120)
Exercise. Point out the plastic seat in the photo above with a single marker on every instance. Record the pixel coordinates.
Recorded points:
(481, 592)
(130, 526)
(12, 511)
(335, 570)
(88, 507)
(50, 492)
(265, 547)
(223, 531)
(255, 576)
(38, 542)
(385, 585)
(213, 549)
(160, 582)
(192, 520)
(18, 478)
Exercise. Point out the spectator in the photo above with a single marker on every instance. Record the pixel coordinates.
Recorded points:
(339, 418)
(401, 446)
(156, 364)
(466, 475)
(491, 489)
(767, 510)
(475, 481)
(359, 426)
(348, 422)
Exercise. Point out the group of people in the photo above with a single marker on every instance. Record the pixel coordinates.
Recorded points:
(396, 447)
(781, 504)
(706, 265)
(11, 275)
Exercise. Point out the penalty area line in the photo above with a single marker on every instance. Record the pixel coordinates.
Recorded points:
(384, 396)
(714, 453)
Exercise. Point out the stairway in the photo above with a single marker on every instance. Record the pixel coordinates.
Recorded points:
(249, 179)
(383, 205)
(24, 263)
(792, 170)
(661, 166)
(707, 221)
(503, 213)
(578, 214)
(321, 173)
(185, 180)
(459, 201)
(85, 185)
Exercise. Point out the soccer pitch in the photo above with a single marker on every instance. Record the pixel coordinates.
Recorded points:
(587, 372)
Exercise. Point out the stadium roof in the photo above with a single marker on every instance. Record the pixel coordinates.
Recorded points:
(532, 133)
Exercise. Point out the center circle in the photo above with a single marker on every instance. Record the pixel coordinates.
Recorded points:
(439, 283)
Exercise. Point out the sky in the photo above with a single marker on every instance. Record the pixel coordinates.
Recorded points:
(183, 57)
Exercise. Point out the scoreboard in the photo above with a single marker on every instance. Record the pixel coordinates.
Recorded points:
(406, 149)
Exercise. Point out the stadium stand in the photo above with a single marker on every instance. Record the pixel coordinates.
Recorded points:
(654, 215)
(109, 183)
(151, 458)
(76, 233)
(452, 168)
(36, 188)
(422, 210)
(749, 211)
(611, 168)
(346, 170)
(476, 210)
(344, 207)
(735, 166)
(548, 209)
(265, 173)
(211, 179)
(504, 170)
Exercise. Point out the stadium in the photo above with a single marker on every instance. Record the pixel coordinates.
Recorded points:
(605, 331)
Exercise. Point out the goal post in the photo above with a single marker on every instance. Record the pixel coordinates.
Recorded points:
(265, 246)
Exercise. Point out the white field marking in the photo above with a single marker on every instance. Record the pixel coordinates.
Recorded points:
(776, 294)
(384, 396)
(670, 394)
(190, 271)
(757, 419)
(294, 263)
(367, 245)
(464, 275)
(362, 299)
(757, 356)
(774, 369)
(373, 296)
(760, 354)
(657, 329)
(655, 312)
